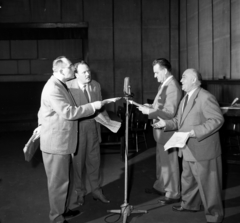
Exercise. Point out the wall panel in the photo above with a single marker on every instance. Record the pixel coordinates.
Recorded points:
(72, 10)
(183, 36)
(41, 67)
(8, 67)
(205, 39)
(124, 37)
(150, 83)
(15, 11)
(45, 11)
(71, 48)
(99, 15)
(103, 72)
(235, 39)
(24, 67)
(174, 37)
(24, 49)
(155, 40)
(221, 38)
(192, 33)
(127, 46)
(4, 49)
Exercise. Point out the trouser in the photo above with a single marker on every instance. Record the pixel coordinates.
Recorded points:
(167, 172)
(57, 170)
(202, 184)
(87, 158)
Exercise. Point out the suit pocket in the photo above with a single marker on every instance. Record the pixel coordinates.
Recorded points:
(60, 140)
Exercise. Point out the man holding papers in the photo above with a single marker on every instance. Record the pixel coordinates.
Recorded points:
(87, 157)
(165, 105)
(199, 114)
(57, 119)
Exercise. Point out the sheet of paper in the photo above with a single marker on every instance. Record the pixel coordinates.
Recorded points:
(112, 125)
(178, 139)
(135, 103)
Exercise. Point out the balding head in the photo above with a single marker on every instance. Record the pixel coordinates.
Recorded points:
(60, 62)
(191, 79)
(63, 69)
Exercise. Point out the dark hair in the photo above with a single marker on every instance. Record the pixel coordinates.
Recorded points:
(78, 63)
(163, 63)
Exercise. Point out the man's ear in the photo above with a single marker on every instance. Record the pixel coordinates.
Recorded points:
(194, 80)
(165, 70)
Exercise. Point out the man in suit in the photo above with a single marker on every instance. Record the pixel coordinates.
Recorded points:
(165, 105)
(200, 115)
(57, 119)
(87, 156)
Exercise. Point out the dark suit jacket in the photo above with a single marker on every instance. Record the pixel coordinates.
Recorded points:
(94, 90)
(58, 115)
(204, 116)
(165, 106)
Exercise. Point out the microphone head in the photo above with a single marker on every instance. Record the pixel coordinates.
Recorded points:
(126, 86)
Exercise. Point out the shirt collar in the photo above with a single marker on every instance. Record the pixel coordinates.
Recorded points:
(81, 85)
(190, 93)
(164, 83)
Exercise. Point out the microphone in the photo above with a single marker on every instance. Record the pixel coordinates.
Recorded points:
(126, 86)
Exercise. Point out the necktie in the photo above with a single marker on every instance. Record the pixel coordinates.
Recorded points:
(185, 102)
(85, 92)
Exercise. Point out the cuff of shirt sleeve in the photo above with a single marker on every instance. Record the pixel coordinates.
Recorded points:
(93, 107)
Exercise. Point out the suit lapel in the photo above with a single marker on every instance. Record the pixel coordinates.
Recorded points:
(157, 96)
(68, 92)
(189, 106)
(74, 84)
(160, 91)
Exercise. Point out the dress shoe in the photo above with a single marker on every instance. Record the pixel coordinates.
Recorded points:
(99, 196)
(71, 213)
(181, 209)
(80, 200)
(154, 191)
(167, 200)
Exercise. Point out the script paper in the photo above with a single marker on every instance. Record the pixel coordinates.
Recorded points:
(135, 103)
(178, 139)
(112, 125)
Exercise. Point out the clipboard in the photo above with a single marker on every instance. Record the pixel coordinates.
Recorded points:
(31, 147)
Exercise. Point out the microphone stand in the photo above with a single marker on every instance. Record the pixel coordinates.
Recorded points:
(126, 209)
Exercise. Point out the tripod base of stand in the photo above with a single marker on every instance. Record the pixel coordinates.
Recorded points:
(126, 210)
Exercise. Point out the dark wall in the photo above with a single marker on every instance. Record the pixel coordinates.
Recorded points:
(124, 37)
(209, 41)
(20, 97)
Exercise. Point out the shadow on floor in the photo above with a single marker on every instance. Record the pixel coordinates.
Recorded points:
(24, 198)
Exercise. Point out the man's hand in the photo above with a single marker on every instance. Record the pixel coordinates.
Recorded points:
(192, 134)
(160, 124)
(144, 110)
(97, 105)
(37, 132)
(147, 105)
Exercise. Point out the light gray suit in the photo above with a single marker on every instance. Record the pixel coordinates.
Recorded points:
(165, 106)
(58, 139)
(202, 168)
